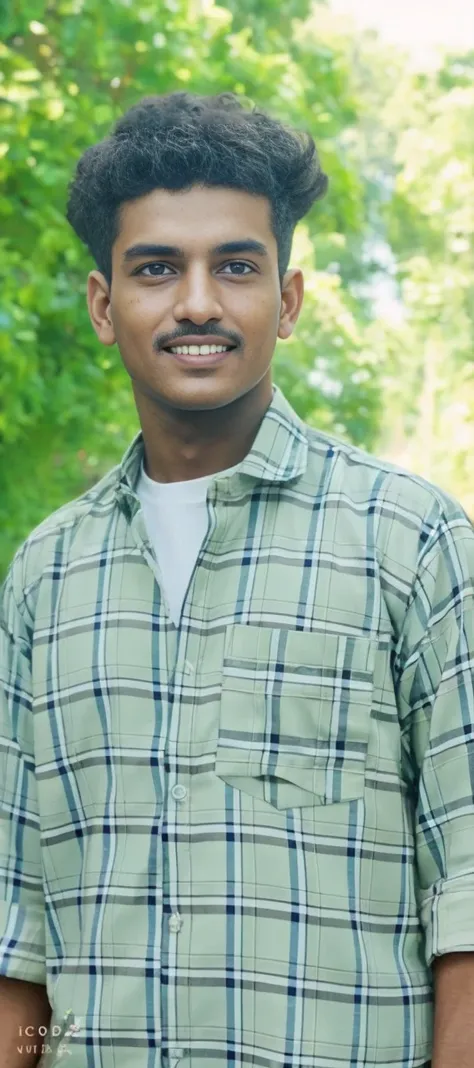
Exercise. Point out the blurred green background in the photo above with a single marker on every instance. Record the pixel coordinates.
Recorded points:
(382, 355)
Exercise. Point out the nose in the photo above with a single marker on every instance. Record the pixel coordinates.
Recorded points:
(197, 298)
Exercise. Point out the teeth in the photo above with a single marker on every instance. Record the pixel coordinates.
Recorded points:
(200, 350)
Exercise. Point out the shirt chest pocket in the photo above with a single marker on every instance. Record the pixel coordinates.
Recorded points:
(295, 715)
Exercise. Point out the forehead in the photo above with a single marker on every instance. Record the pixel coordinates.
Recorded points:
(198, 218)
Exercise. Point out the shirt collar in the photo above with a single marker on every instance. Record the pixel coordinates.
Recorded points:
(278, 454)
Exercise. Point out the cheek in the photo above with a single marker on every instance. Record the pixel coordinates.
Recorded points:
(131, 321)
(136, 306)
(266, 320)
(258, 313)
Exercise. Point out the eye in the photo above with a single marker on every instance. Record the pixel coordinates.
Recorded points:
(149, 266)
(239, 263)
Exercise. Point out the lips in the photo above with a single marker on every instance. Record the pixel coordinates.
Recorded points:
(186, 344)
(200, 361)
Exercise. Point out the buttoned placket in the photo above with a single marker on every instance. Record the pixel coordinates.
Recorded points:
(177, 647)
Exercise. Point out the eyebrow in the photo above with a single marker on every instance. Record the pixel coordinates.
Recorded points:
(229, 248)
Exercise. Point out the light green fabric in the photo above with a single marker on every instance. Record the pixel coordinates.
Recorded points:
(241, 841)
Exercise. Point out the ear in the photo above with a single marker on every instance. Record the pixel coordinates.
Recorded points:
(98, 303)
(291, 301)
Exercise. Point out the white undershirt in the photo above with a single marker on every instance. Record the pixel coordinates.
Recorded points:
(176, 520)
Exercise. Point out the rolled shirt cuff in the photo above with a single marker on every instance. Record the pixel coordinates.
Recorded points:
(22, 943)
(447, 917)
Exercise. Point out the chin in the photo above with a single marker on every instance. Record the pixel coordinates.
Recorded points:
(204, 399)
(200, 404)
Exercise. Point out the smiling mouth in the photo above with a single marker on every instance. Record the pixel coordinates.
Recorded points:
(201, 360)
(198, 350)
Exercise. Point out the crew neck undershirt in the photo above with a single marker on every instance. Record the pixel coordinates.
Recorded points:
(176, 520)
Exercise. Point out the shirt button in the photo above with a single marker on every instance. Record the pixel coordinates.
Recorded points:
(175, 923)
(179, 792)
(188, 668)
(175, 1056)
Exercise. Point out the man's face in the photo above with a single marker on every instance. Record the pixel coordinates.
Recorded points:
(158, 297)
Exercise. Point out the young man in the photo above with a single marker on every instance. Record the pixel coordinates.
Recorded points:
(237, 708)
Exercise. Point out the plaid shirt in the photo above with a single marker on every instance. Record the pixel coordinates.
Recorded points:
(242, 841)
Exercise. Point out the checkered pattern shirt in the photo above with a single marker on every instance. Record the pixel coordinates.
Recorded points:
(243, 840)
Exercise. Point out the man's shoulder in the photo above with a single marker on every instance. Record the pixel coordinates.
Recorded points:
(54, 535)
(364, 477)
(406, 521)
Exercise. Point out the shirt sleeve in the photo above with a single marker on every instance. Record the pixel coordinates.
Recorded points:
(22, 911)
(435, 657)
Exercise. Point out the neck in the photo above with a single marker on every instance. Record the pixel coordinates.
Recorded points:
(184, 445)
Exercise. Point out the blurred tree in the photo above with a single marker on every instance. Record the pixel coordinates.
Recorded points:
(429, 382)
(66, 408)
(414, 144)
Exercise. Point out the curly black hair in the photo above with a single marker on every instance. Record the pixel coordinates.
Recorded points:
(183, 139)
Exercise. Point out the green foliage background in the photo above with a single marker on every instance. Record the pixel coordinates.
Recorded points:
(398, 147)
